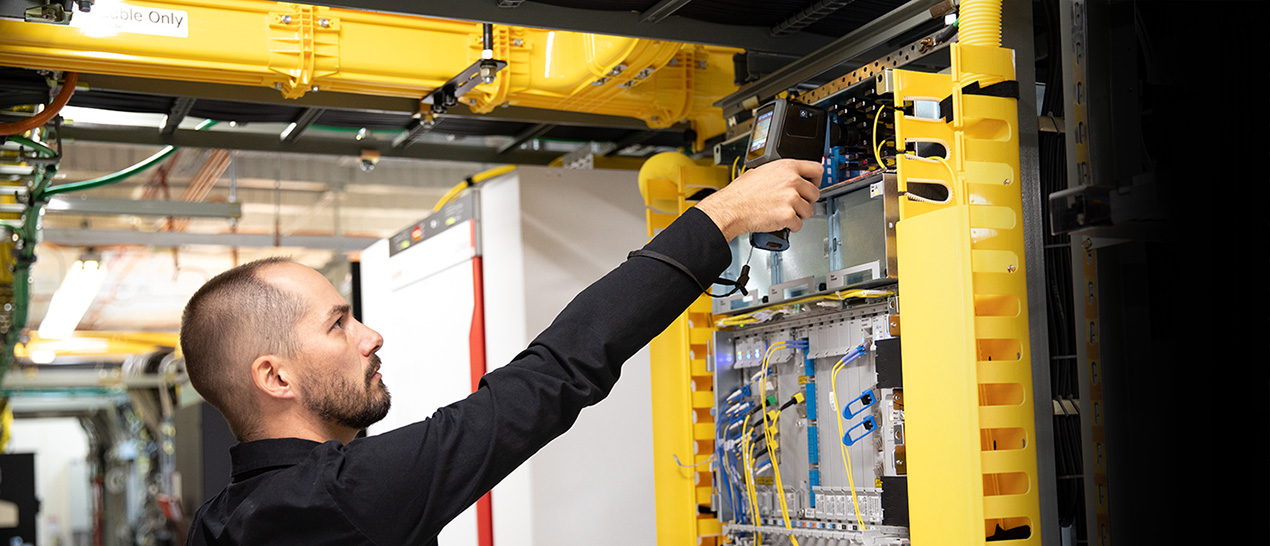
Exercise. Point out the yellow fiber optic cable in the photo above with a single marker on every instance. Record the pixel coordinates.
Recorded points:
(877, 146)
(846, 455)
(474, 180)
(749, 471)
(771, 446)
(952, 182)
(841, 295)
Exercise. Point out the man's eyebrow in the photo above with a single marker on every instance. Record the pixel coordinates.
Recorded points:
(338, 310)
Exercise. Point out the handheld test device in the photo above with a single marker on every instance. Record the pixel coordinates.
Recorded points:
(785, 130)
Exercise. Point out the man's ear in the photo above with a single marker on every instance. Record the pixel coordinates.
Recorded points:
(272, 376)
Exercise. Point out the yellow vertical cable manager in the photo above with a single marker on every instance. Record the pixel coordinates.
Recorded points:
(968, 384)
(682, 383)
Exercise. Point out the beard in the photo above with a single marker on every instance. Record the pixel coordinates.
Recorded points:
(347, 403)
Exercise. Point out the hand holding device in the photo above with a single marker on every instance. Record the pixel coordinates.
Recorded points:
(785, 130)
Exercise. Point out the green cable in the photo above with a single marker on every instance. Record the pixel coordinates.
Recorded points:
(38, 146)
(124, 174)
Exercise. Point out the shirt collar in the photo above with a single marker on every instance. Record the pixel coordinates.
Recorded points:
(249, 457)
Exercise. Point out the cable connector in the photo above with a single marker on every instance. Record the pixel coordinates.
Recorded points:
(866, 400)
(851, 437)
(797, 398)
(798, 344)
(738, 393)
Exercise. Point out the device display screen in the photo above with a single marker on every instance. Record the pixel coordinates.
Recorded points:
(758, 140)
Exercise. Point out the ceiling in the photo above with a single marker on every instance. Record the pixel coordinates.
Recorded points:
(313, 185)
(288, 195)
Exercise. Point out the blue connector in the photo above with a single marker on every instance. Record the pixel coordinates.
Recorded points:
(864, 401)
(800, 344)
(743, 391)
(852, 355)
(869, 425)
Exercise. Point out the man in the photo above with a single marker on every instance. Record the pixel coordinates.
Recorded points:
(274, 347)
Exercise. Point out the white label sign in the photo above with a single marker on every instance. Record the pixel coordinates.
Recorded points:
(110, 18)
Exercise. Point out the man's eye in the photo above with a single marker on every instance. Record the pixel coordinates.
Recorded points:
(338, 324)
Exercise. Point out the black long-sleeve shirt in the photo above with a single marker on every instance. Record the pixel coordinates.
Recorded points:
(403, 486)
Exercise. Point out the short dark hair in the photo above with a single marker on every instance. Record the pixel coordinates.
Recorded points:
(229, 322)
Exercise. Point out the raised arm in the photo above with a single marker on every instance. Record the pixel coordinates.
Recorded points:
(434, 469)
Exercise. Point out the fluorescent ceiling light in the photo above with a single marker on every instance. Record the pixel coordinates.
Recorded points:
(72, 299)
(287, 132)
(95, 116)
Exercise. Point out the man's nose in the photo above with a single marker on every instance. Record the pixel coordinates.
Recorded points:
(371, 341)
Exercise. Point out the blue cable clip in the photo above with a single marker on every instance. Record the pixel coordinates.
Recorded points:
(866, 400)
(800, 344)
(869, 426)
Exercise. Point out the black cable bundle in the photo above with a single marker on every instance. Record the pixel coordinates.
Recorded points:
(1063, 336)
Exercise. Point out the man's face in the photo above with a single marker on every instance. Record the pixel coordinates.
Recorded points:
(338, 368)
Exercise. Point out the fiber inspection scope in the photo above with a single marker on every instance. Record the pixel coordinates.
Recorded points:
(785, 130)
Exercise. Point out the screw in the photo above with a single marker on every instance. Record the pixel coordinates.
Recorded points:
(1010, 269)
(286, 19)
(277, 85)
(324, 22)
(1086, 243)
(673, 62)
(518, 42)
(471, 102)
(701, 64)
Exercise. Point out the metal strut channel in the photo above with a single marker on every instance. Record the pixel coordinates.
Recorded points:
(872, 34)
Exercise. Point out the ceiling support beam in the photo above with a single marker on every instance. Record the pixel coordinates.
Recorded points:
(180, 108)
(815, 12)
(301, 124)
(107, 237)
(875, 33)
(621, 23)
(662, 10)
(267, 142)
(525, 136)
(633, 138)
(77, 204)
(417, 128)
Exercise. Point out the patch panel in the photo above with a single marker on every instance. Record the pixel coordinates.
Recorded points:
(782, 388)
